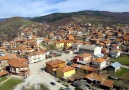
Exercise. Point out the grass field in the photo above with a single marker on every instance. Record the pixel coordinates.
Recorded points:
(122, 59)
(3, 78)
(10, 84)
(120, 73)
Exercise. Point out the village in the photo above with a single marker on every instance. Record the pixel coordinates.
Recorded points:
(73, 57)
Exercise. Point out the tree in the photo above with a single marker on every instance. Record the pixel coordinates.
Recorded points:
(51, 46)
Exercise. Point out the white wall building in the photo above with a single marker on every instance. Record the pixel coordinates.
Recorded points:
(36, 57)
(92, 49)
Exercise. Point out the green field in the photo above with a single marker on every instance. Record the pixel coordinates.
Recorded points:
(3, 78)
(10, 84)
(120, 73)
(122, 59)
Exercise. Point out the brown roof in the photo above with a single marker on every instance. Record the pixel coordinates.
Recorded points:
(84, 55)
(18, 62)
(88, 68)
(95, 76)
(3, 47)
(37, 53)
(66, 69)
(3, 73)
(108, 83)
(99, 60)
(54, 62)
(22, 47)
(8, 56)
(74, 65)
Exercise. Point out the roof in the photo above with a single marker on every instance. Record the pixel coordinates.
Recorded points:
(22, 47)
(3, 73)
(66, 69)
(18, 62)
(88, 47)
(7, 57)
(95, 76)
(87, 68)
(116, 65)
(84, 55)
(99, 60)
(3, 47)
(54, 62)
(108, 83)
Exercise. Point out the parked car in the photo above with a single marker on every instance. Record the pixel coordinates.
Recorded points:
(52, 83)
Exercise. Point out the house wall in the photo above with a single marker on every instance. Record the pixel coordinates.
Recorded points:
(97, 50)
(49, 68)
(65, 74)
(87, 59)
(36, 58)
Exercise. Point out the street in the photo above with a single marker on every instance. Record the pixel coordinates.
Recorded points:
(39, 76)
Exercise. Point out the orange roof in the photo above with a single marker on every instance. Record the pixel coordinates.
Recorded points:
(3, 73)
(74, 65)
(22, 47)
(54, 62)
(3, 47)
(95, 76)
(84, 55)
(99, 60)
(88, 68)
(12, 42)
(66, 69)
(8, 57)
(108, 83)
(18, 62)
(37, 53)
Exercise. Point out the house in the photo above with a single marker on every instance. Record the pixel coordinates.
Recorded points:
(51, 66)
(115, 47)
(22, 49)
(3, 49)
(4, 60)
(3, 73)
(12, 44)
(83, 57)
(115, 53)
(114, 66)
(19, 66)
(94, 77)
(85, 69)
(65, 71)
(107, 84)
(36, 57)
(99, 63)
(92, 49)
(105, 50)
(5, 43)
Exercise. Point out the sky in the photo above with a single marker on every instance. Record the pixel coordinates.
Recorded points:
(32, 8)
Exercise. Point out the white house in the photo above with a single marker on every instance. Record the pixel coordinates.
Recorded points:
(115, 53)
(36, 57)
(92, 49)
(99, 63)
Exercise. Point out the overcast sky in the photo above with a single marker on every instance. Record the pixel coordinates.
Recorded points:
(32, 8)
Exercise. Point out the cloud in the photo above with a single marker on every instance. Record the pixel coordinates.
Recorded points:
(32, 8)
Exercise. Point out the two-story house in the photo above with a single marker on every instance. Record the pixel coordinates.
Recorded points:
(51, 66)
(99, 63)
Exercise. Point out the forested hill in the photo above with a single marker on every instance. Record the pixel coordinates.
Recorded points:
(86, 16)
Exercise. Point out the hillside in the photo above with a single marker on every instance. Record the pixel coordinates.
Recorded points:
(10, 27)
(104, 17)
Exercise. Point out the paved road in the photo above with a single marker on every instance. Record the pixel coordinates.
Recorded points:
(39, 76)
(124, 66)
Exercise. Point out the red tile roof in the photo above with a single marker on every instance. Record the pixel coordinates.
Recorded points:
(18, 62)
(3, 73)
(65, 68)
